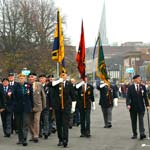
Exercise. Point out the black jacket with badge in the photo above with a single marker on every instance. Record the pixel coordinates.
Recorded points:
(7, 99)
(23, 98)
(68, 96)
(107, 94)
(137, 100)
(89, 97)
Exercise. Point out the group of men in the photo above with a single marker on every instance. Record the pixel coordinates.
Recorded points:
(29, 103)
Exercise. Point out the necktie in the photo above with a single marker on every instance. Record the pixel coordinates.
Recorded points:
(137, 88)
(5, 89)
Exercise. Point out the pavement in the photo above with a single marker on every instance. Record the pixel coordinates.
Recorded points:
(116, 138)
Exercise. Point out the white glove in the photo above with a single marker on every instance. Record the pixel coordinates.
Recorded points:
(102, 85)
(93, 106)
(79, 84)
(115, 102)
(73, 107)
(55, 82)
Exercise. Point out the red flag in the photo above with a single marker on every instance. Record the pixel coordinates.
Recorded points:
(80, 57)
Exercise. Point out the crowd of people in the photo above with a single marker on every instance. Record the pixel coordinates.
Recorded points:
(42, 105)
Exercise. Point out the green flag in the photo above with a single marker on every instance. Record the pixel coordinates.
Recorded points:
(101, 71)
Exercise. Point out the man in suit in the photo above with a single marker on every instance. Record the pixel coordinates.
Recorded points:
(8, 106)
(39, 103)
(23, 107)
(108, 95)
(136, 101)
(84, 102)
(12, 85)
(45, 119)
(63, 95)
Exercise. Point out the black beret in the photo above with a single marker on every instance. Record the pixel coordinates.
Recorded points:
(10, 74)
(33, 74)
(5, 79)
(50, 76)
(136, 76)
(42, 75)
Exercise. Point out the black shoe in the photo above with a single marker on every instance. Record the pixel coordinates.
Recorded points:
(88, 135)
(31, 140)
(53, 130)
(40, 136)
(78, 124)
(65, 143)
(36, 140)
(60, 143)
(109, 126)
(134, 137)
(142, 137)
(70, 127)
(7, 135)
(82, 135)
(24, 143)
(45, 136)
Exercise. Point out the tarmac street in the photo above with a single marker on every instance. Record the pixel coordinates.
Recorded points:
(116, 138)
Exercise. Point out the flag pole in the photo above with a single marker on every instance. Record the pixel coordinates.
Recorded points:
(84, 100)
(60, 65)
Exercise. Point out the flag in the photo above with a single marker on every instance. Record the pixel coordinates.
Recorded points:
(101, 71)
(58, 46)
(80, 57)
(95, 47)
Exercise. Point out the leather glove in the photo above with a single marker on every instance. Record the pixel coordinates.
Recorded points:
(93, 106)
(73, 107)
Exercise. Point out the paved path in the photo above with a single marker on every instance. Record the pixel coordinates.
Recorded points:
(116, 138)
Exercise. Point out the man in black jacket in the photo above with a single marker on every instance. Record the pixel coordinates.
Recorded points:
(12, 85)
(23, 107)
(63, 95)
(7, 100)
(108, 95)
(136, 99)
(85, 100)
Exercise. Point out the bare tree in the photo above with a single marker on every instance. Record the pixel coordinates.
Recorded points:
(26, 23)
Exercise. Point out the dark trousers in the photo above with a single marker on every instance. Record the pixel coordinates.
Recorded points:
(6, 118)
(22, 119)
(107, 115)
(62, 124)
(133, 115)
(76, 119)
(44, 122)
(85, 121)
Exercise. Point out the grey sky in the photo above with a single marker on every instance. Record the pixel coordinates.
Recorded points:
(127, 20)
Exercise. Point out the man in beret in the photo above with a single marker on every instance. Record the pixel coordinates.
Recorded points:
(85, 101)
(63, 95)
(45, 119)
(39, 103)
(23, 107)
(7, 101)
(12, 85)
(136, 101)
